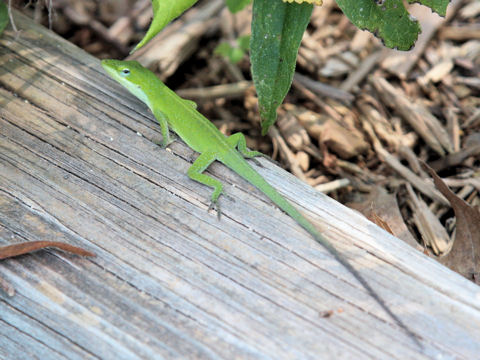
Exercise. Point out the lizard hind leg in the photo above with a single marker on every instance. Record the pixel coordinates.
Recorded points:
(195, 172)
(238, 141)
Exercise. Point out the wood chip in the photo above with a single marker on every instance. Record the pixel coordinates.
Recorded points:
(416, 115)
(433, 233)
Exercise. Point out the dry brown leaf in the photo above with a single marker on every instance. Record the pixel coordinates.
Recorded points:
(465, 252)
(385, 208)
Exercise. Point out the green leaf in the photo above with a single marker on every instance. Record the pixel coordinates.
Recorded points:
(3, 16)
(164, 11)
(237, 5)
(439, 6)
(234, 53)
(244, 42)
(388, 19)
(277, 30)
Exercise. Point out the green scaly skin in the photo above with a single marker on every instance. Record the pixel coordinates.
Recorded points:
(181, 116)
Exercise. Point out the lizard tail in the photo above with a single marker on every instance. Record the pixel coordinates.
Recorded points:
(241, 167)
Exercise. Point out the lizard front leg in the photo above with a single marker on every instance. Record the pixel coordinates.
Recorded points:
(163, 121)
(195, 172)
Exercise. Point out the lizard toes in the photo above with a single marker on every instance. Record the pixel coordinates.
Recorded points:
(215, 206)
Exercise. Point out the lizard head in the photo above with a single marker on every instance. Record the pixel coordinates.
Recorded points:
(131, 75)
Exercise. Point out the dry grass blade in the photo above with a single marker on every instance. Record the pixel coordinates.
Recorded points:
(465, 252)
(380, 222)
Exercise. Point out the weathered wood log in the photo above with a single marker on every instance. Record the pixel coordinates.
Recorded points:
(79, 163)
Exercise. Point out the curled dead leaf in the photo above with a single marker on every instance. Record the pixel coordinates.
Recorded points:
(382, 209)
(465, 252)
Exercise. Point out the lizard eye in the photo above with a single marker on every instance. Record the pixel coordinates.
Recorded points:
(125, 72)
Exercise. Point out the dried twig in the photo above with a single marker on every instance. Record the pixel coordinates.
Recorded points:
(30, 246)
(10, 251)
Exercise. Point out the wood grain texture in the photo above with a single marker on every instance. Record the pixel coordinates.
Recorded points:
(169, 279)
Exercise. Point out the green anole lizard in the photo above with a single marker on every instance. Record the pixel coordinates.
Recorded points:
(180, 115)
